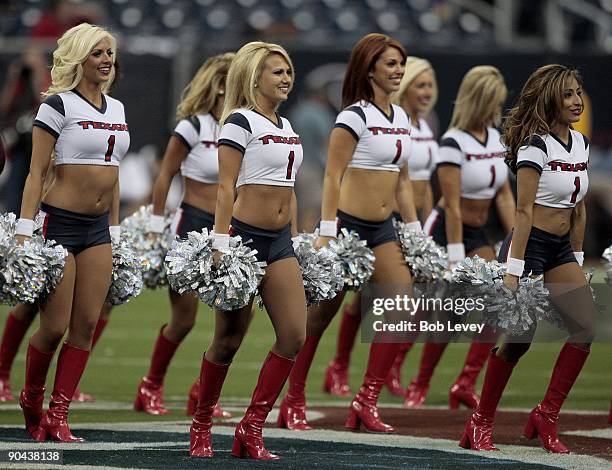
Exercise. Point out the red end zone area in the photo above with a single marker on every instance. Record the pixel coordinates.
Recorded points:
(583, 433)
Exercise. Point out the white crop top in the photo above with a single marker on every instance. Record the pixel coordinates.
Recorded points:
(483, 170)
(199, 134)
(424, 155)
(564, 180)
(86, 134)
(272, 153)
(383, 142)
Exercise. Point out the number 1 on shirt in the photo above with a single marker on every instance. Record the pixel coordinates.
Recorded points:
(290, 164)
(398, 152)
(109, 150)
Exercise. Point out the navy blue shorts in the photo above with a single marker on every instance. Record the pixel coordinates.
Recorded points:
(544, 251)
(271, 245)
(189, 218)
(75, 232)
(374, 233)
(397, 216)
(435, 225)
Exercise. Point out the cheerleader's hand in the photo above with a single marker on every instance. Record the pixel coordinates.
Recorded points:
(21, 239)
(217, 258)
(511, 282)
(320, 242)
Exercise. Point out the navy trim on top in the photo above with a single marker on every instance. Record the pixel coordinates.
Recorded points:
(568, 147)
(357, 110)
(45, 127)
(280, 121)
(231, 143)
(389, 118)
(239, 120)
(195, 122)
(530, 164)
(450, 142)
(101, 110)
(486, 140)
(347, 128)
(586, 141)
(535, 141)
(182, 140)
(56, 102)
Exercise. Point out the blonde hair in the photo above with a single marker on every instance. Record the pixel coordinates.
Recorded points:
(73, 49)
(481, 92)
(202, 93)
(244, 73)
(415, 66)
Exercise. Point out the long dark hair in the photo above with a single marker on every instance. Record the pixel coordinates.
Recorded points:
(356, 85)
(537, 108)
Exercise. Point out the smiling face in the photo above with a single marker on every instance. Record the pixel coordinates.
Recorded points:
(275, 81)
(388, 71)
(97, 68)
(571, 105)
(419, 93)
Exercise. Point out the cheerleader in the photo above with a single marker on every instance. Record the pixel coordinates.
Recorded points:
(87, 131)
(259, 156)
(366, 173)
(16, 326)
(192, 150)
(550, 160)
(417, 96)
(472, 177)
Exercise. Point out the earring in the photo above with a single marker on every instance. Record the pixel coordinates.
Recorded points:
(255, 86)
(221, 93)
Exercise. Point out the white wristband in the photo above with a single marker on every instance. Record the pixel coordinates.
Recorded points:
(579, 255)
(156, 223)
(515, 267)
(220, 241)
(24, 227)
(295, 241)
(456, 252)
(328, 228)
(414, 226)
(115, 233)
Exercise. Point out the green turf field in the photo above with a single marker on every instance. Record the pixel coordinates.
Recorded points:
(122, 357)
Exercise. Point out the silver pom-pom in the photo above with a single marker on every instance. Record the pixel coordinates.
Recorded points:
(321, 272)
(427, 260)
(607, 256)
(514, 312)
(189, 262)
(151, 248)
(228, 286)
(356, 259)
(30, 270)
(126, 280)
(55, 260)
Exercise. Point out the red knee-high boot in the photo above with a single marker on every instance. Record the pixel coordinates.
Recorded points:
(418, 388)
(479, 429)
(363, 409)
(211, 381)
(544, 417)
(394, 380)
(70, 366)
(292, 414)
(102, 322)
(462, 390)
(33, 393)
(336, 375)
(192, 403)
(150, 394)
(248, 439)
(14, 331)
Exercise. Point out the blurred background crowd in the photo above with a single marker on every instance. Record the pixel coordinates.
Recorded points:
(163, 42)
